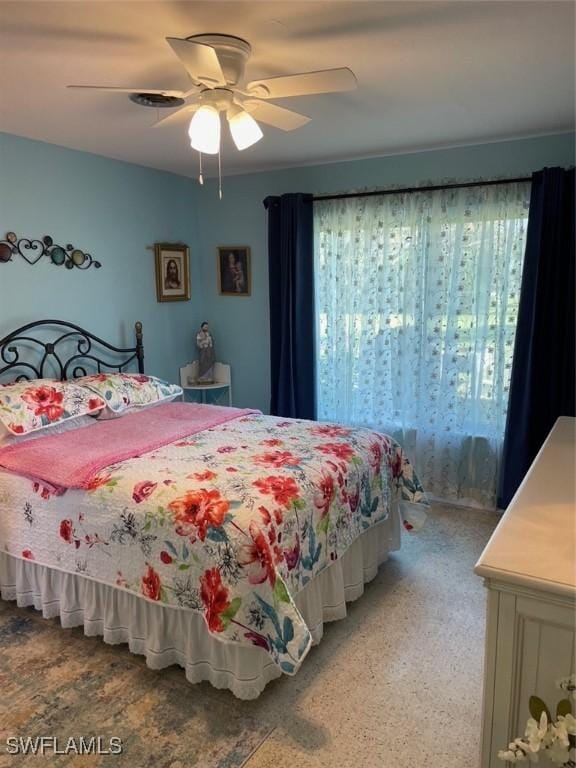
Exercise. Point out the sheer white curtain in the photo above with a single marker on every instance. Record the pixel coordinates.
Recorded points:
(417, 298)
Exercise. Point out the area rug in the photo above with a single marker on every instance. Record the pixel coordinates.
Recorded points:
(60, 684)
(397, 684)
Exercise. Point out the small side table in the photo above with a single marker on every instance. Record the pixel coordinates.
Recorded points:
(222, 376)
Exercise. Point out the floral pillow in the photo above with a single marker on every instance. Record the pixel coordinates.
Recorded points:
(9, 438)
(125, 392)
(26, 406)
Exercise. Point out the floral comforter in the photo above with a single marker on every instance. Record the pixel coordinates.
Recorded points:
(230, 522)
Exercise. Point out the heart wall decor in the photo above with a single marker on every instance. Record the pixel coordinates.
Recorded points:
(33, 250)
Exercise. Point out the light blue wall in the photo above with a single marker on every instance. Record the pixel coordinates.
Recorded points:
(241, 325)
(113, 210)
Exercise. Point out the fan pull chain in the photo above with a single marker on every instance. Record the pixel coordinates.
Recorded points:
(219, 175)
(200, 177)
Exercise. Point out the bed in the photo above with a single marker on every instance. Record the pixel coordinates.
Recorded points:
(218, 539)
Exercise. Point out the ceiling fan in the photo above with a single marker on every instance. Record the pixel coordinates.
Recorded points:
(215, 64)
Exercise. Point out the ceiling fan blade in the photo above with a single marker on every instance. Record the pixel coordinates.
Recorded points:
(114, 89)
(324, 81)
(176, 116)
(199, 60)
(272, 114)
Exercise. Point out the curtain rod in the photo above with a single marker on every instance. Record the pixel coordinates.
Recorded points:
(432, 188)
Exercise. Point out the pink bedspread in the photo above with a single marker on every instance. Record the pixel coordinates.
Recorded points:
(70, 459)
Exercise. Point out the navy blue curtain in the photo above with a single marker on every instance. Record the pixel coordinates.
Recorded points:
(543, 373)
(292, 322)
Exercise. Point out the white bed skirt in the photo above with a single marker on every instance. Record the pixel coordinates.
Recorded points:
(166, 635)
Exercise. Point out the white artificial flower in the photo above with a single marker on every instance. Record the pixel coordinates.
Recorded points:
(559, 733)
(553, 738)
(568, 684)
(558, 743)
(521, 751)
(558, 752)
(513, 754)
(535, 732)
(510, 756)
(570, 723)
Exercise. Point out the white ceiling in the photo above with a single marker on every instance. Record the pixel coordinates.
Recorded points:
(430, 74)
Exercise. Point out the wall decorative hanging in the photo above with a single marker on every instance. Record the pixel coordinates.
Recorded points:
(33, 250)
(172, 271)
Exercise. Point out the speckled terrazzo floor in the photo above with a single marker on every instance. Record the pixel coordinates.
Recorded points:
(397, 684)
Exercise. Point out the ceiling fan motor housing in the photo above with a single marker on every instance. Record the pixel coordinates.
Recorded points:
(232, 52)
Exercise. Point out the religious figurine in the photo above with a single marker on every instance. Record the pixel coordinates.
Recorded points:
(206, 355)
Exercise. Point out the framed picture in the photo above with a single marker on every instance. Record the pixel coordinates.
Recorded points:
(234, 270)
(172, 272)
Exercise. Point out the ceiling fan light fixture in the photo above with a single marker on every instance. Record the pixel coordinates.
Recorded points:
(215, 65)
(244, 129)
(204, 130)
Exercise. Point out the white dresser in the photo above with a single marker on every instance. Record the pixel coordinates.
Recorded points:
(529, 569)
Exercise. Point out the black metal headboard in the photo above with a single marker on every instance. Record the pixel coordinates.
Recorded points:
(74, 352)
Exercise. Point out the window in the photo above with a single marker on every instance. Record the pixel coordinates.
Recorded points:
(417, 300)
